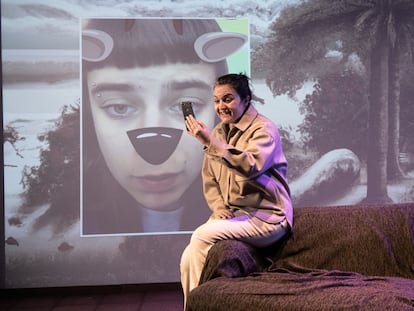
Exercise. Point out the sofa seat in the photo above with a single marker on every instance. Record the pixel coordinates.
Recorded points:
(357, 257)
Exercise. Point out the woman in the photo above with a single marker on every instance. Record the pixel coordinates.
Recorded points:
(243, 175)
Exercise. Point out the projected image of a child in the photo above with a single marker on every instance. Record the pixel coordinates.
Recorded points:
(140, 170)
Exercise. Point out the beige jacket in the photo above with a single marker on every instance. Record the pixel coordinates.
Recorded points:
(245, 169)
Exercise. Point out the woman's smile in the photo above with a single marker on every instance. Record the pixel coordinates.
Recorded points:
(225, 112)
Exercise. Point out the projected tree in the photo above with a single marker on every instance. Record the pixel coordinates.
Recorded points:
(11, 136)
(338, 107)
(56, 180)
(381, 34)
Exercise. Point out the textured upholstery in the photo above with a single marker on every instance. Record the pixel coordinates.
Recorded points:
(337, 258)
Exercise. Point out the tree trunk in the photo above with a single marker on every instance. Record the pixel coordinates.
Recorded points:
(378, 123)
(394, 170)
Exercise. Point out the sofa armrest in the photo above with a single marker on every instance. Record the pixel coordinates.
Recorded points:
(231, 258)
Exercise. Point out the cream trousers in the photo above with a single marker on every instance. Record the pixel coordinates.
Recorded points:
(243, 228)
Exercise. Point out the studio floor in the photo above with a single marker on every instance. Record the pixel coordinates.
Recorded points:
(154, 297)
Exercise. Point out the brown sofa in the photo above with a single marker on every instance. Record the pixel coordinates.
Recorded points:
(337, 258)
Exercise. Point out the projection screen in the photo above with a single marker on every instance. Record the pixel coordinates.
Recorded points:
(102, 182)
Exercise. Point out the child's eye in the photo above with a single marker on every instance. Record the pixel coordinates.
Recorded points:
(197, 106)
(119, 111)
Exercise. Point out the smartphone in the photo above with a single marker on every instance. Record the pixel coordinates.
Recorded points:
(187, 108)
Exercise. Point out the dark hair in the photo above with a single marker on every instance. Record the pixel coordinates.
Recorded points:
(148, 42)
(240, 82)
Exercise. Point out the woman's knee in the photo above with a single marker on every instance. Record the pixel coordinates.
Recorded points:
(203, 235)
(185, 259)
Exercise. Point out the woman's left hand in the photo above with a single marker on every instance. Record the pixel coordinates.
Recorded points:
(198, 129)
(223, 213)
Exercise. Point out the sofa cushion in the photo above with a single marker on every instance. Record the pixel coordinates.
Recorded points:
(367, 239)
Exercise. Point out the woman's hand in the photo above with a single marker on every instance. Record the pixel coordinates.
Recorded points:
(223, 213)
(198, 129)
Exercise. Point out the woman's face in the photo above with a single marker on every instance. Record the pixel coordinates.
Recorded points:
(127, 99)
(227, 103)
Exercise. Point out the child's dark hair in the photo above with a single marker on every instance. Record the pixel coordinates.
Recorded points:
(240, 82)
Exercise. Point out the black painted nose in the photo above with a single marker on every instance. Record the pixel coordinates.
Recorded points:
(155, 144)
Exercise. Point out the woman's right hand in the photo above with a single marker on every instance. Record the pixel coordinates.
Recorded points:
(198, 129)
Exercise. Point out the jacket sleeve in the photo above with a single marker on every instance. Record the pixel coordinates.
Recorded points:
(259, 152)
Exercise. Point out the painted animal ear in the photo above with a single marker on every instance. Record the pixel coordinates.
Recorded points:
(210, 47)
(96, 45)
(215, 46)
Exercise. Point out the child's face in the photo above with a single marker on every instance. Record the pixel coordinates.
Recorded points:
(127, 99)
